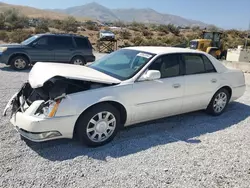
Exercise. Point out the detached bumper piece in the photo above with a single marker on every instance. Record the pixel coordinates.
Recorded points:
(38, 137)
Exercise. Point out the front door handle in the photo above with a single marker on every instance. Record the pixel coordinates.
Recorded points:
(214, 80)
(176, 86)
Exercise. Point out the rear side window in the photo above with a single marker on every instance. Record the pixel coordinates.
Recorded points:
(197, 64)
(208, 65)
(194, 64)
(62, 42)
(82, 42)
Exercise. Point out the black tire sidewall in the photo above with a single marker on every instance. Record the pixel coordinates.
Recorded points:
(12, 62)
(210, 108)
(84, 119)
(78, 57)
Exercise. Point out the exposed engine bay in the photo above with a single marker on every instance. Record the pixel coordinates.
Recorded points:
(52, 90)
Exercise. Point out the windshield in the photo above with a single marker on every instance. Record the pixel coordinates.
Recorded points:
(29, 40)
(107, 32)
(194, 44)
(122, 64)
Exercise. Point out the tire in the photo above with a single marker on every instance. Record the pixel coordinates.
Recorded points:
(93, 131)
(218, 109)
(78, 60)
(19, 63)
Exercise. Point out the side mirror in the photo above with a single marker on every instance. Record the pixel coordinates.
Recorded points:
(150, 75)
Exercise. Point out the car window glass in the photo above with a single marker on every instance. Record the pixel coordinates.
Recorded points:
(193, 64)
(208, 65)
(62, 42)
(42, 41)
(168, 65)
(81, 42)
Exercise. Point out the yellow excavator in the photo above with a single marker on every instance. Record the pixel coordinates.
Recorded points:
(210, 43)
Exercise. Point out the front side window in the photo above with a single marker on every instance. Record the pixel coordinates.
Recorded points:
(122, 64)
(168, 65)
(43, 41)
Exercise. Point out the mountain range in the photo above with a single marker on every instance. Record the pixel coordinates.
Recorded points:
(101, 13)
(104, 14)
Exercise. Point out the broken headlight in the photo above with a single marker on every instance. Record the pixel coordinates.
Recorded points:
(48, 109)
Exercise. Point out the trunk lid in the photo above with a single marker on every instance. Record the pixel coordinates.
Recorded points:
(42, 72)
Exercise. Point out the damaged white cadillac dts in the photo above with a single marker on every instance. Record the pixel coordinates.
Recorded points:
(128, 86)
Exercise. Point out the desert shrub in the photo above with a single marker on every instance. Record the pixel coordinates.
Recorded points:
(91, 26)
(138, 41)
(42, 27)
(163, 29)
(70, 24)
(168, 28)
(195, 28)
(173, 29)
(19, 35)
(13, 19)
(135, 26)
(57, 24)
(119, 24)
(146, 33)
(125, 34)
(4, 36)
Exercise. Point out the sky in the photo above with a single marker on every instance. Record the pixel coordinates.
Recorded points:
(222, 13)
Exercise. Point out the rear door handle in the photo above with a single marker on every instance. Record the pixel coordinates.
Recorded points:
(214, 80)
(176, 86)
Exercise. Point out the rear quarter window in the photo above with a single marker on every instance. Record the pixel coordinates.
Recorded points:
(82, 42)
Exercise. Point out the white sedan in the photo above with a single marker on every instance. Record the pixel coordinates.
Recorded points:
(128, 86)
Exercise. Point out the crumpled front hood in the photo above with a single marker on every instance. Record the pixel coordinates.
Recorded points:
(42, 72)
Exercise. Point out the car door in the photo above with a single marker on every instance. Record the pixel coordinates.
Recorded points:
(64, 48)
(42, 50)
(201, 81)
(163, 97)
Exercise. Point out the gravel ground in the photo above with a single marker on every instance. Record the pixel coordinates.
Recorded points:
(191, 150)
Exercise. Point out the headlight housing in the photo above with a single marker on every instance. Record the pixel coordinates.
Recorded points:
(48, 109)
(3, 49)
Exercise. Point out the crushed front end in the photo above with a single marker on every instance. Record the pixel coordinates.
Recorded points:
(33, 111)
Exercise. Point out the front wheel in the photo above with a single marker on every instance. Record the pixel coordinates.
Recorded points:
(99, 125)
(219, 102)
(19, 63)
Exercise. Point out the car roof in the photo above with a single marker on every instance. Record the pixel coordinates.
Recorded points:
(64, 35)
(163, 50)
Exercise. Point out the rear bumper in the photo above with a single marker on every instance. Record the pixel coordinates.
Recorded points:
(91, 58)
(238, 92)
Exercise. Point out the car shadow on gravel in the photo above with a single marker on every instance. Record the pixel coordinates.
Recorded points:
(183, 128)
(8, 69)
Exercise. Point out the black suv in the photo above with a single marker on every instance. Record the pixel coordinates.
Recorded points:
(60, 48)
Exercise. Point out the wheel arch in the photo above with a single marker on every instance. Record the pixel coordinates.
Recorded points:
(122, 110)
(18, 54)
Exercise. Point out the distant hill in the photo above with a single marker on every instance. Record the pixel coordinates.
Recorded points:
(33, 12)
(102, 13)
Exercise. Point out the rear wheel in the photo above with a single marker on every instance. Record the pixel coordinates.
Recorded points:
(78, 60)
(19, 63)
(99, 125)
(219, 102)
